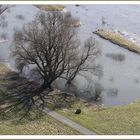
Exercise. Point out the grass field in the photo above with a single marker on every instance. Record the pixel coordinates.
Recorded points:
(118, 39)
(43, 126)
(38, 124)
(113, 120)
(123, 120)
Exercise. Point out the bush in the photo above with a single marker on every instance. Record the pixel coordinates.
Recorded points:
(116, 57)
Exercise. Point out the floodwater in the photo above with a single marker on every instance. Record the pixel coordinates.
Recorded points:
(121, 79)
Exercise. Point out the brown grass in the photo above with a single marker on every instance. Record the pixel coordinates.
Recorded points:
(118, 39)
(37, 125)
(50, 7)
(3, 69)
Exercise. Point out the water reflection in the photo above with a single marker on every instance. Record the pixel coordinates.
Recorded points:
(121, 67)
(112, 92)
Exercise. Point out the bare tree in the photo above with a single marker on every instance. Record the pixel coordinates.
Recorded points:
(50, 46)
(50, 43)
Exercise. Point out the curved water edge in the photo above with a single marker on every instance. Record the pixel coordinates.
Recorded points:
(121, 79)
(88, 97)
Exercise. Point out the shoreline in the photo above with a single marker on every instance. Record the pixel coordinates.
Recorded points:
(118, 39)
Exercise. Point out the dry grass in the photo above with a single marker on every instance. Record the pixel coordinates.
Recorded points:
(118, 39)
(41, 125)
(50, 7)
(3, 69)
(38, 124)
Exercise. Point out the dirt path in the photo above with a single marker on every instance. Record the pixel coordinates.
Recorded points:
(70, 123)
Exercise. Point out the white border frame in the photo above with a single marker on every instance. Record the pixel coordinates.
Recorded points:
(69, 136)
(64, 137)
(69, 2)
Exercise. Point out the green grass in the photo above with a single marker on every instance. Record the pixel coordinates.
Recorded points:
(37, 124)
(42, 126)
(115, 120)
(118, 39)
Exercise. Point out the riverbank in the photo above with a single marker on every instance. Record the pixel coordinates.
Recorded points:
(38, 124)
(3, 69)
(112, 120)
(120, 120)
(118, 39)
(50, 7)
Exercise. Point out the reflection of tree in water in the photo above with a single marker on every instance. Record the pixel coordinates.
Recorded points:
(112, 92)
(92, 92)
(104, 21)
(3, 24)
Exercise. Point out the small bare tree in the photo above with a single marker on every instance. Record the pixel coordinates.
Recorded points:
(50, 46)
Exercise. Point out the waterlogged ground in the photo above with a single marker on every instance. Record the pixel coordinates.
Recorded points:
(121, 79)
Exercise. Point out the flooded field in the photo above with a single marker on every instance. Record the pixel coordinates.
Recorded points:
(121, 67)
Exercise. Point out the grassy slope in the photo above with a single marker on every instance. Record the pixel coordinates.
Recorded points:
(43, 125)
(118, 39)
(115, 120)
